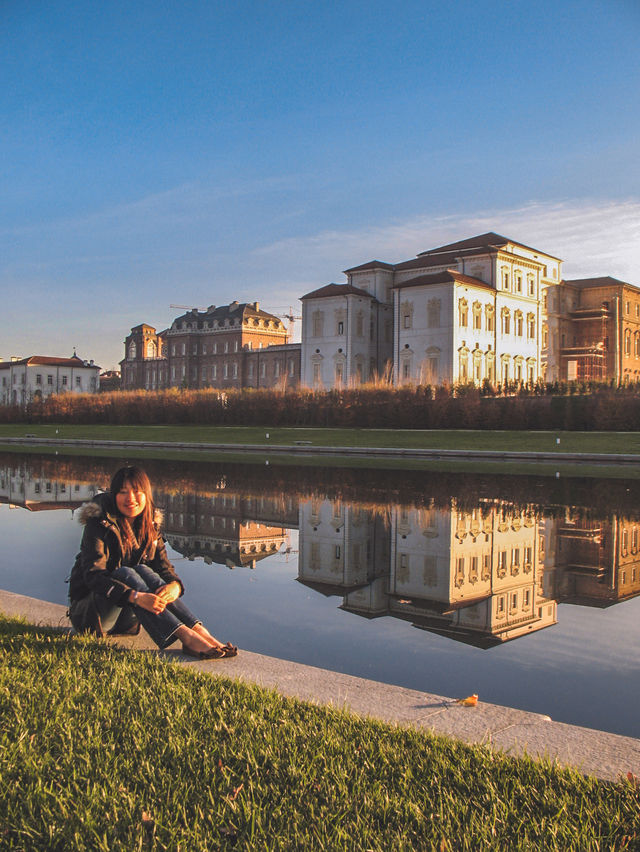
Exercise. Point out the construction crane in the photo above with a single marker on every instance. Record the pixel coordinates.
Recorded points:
(290, 316)
(189, 307)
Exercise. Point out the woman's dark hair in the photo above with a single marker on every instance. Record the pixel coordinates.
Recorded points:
(144, 534)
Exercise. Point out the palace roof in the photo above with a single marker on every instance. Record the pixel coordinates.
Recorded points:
(220, 313)
(449, 276)
(336, 290)
(488, 243)
(48, 361)
(603, 281)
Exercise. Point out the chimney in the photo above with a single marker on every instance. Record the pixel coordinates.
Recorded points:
(256, 305)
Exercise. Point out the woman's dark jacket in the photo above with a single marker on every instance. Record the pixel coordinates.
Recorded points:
(101, 552)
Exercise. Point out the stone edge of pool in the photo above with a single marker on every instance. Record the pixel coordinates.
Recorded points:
(307, 449)
(516, 732)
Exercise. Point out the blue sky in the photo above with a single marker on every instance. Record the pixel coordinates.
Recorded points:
(196, 152)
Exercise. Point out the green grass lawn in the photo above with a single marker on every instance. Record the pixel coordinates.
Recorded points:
(573, 442)
(104, 749)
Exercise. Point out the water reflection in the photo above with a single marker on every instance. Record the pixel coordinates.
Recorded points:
(38, 488)
(481, 574)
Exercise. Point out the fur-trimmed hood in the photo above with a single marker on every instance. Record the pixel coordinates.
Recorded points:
(102, 505)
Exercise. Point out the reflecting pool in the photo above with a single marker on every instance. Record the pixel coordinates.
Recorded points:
(522, 589)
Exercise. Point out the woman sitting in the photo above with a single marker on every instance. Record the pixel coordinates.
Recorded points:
(123, 570)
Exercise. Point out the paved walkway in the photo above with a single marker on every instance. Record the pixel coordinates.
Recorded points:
(306, 448)
(607, 756)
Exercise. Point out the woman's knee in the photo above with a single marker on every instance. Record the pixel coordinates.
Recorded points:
(131, 578)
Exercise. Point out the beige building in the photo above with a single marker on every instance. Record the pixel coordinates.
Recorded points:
(467, 311)
(593, 330)
(486, 309)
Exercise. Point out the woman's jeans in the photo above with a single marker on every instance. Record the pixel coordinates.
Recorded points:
(161, 626)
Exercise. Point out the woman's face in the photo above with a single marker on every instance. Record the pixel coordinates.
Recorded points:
(130, 502)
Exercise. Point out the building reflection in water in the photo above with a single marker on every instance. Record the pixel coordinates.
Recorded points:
(481, 576)
(224, 528)
(38, 489)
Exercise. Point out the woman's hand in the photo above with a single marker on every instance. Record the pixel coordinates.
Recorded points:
(169, 593)
(150, 602)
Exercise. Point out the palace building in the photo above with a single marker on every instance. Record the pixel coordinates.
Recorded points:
(229, 346)
(483, 309)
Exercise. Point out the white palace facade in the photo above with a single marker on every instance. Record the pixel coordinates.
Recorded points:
(473, 310)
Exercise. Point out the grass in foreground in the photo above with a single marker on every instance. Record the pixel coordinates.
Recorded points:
(442, 439)
(103, 749)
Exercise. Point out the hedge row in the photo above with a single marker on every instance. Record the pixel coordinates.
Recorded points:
(600, 408)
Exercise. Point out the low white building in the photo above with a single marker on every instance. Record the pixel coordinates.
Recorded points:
(25, 379)
(463, 312)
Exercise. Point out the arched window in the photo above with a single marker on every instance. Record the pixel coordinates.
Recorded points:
(477, 316)
(489, 317)
(531, 326)
(490, 366)
(518, 323)
(463, 364)
(463, 313)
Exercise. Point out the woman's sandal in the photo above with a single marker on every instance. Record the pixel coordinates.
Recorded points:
(211, 654)
(229, 650)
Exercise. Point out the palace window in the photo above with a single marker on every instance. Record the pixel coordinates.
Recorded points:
(518, 370)
(517, 282)
(518, 323)
(489, 317)
(463, 312)
(506, 321)
(433, 313)
(490, 366)
(477, 366)
(463, 369)
(477, 316)
(505, 280)
(531, 281)
(531, 326)
(340, 327)
(473, 570)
